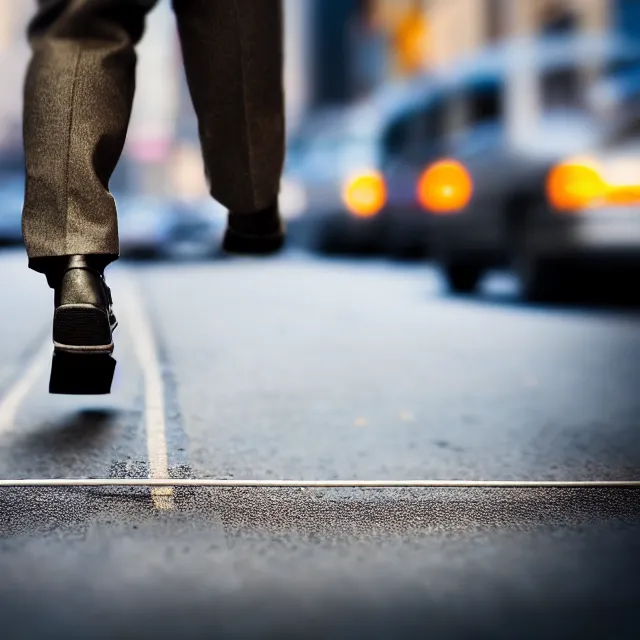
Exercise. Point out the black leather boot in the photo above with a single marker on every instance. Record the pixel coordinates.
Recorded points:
(259, 233)
(83, 320)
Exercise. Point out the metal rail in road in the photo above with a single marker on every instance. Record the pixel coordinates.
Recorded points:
(320, 484)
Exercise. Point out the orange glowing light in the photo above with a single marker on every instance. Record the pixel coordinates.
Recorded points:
(575, 185)
(445, 187)
(624, 196)
(623, 180)
(411, 42)
(365, 195)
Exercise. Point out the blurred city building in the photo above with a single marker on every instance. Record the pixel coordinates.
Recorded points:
(14, 54)
(336, 51)
(162, 150)
(625, 17)
(360, 44)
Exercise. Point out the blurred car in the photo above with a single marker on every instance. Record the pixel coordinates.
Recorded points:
(496, 200)
(11, 201)
(414, 137)
(617, 95)
(341, 182)
(169, 228)
(298, 213)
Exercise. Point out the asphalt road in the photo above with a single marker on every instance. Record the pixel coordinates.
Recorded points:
(301, 369)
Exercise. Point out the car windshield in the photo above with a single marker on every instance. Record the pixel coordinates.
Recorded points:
(567, 74)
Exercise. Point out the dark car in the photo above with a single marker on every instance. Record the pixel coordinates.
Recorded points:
(512, 191)
(586, 220)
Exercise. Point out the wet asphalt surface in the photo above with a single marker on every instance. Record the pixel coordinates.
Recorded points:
(304, 369)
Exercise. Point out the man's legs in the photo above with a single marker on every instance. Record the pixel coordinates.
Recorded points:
(233, 55)
(78, 99)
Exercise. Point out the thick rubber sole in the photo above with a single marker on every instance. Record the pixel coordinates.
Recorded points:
(83, 329)
(81, 374)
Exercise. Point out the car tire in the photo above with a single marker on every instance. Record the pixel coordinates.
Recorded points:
(541, 279)
(463, 277)
(535, 279)
(545, 280)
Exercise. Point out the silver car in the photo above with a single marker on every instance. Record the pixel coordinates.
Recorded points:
(170, 228)
(336, 178)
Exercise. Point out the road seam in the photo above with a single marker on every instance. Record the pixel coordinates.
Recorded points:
(154, 406)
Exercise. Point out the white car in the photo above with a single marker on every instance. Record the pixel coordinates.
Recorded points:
(170, 228)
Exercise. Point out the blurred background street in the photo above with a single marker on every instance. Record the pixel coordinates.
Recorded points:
(458, 300)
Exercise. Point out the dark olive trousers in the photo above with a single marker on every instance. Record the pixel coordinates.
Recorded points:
(78, 97)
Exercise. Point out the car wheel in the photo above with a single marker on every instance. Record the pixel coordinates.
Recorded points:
(544, 280)
(463, 278)
(539, 277)
(534, 279)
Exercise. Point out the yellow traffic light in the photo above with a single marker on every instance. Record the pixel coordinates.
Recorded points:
(410, 42)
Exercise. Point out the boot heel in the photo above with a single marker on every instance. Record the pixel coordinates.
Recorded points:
(81, 374)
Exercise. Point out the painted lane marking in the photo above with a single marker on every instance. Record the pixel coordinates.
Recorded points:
(154, 407)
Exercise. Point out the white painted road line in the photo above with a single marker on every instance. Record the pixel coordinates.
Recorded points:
(324, 484)
(15, 396)
(155, 423)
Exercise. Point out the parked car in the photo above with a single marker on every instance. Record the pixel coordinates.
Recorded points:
(342, 177)
(414, 137)
(11, 201)
(169, 228)
(491, 202)
(585, 221)
(296, 208)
